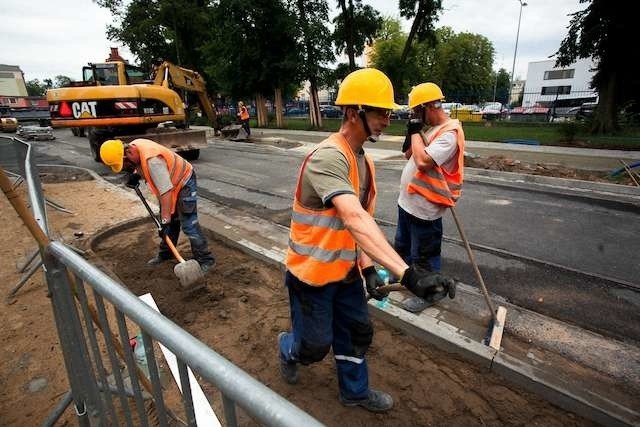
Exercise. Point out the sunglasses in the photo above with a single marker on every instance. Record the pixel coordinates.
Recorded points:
(380, 112)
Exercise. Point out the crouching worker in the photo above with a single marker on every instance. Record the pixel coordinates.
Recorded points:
(173, 181)
(333, 243)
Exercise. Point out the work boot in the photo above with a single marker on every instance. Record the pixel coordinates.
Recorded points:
(156, 260)
(207, 266)
(288, 370)
(377, 401)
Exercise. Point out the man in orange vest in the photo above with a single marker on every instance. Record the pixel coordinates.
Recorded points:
(334, 242)
(431, 182)
(173, 181)
(243, 115)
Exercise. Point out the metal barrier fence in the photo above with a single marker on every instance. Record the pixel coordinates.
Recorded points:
(93, 349)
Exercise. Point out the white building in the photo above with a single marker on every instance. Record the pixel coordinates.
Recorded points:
(548, 85)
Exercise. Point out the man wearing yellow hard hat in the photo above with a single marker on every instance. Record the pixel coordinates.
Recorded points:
(173, 181)
(431, 182)
(334, 242)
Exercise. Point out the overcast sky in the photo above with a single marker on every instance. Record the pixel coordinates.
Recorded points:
(47, 38)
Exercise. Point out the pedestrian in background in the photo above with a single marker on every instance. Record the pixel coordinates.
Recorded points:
(243, 116)
(431, 182)
(173, 181)
(334, 241)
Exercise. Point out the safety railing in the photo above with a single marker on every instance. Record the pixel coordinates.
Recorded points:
(95, 316)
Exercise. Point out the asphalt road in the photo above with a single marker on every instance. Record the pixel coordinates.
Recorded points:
(586, 238)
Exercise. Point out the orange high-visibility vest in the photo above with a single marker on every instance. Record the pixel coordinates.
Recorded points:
(179, 169)
(321, 250)
(436, 184)
(244, 113)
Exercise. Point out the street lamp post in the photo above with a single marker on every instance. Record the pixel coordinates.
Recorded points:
(515, 52)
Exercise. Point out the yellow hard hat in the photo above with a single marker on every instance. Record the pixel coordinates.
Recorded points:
(112, 154)
(366, 87)
(423, 93)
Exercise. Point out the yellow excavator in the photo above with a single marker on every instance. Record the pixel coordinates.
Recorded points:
(119, 100)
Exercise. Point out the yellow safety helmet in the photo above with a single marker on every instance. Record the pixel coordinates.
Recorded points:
(424, 93)
(112, 154)
(366, 87)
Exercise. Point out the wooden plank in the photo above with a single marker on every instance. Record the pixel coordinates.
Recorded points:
(498, 328)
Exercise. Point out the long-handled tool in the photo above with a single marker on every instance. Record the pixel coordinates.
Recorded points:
(188, 272)
(496, 326)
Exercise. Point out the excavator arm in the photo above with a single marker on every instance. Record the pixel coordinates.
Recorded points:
(172, 76)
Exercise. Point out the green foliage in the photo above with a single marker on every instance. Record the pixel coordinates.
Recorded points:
(356, 26)
(35, 88)
(424, 14)
(568, 130)
(603, 31)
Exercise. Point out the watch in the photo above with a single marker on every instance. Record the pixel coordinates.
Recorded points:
(164, 221)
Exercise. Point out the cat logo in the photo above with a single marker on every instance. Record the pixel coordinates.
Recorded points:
(84, 109)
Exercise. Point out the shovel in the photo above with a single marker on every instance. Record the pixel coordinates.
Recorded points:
(188, 272)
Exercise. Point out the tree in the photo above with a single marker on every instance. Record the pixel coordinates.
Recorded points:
(603, 31)
(35, 88)
(424, 14)
(61, 81)
(501, 88)
(355, 27)
(316, 44)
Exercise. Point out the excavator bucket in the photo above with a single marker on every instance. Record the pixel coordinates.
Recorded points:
(234, 133)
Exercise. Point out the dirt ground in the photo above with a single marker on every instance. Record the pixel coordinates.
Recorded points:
(239, 315)
(502, 163)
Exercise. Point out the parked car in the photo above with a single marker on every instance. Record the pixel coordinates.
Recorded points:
(330, 111)
(493, 110)
(296, 112)
(448, 106)
(586, 110)
(401, 113)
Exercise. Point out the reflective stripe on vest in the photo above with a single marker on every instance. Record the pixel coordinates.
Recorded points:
(179, 169)
(437, 185)
(321, 249)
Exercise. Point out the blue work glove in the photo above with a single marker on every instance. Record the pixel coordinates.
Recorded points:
(133, 181)
(413, 126)
(425, 284)
(373, 281)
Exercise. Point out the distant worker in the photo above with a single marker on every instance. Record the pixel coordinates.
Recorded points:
(334, 242)
(243, 115)
(173, 181)
(431, 182)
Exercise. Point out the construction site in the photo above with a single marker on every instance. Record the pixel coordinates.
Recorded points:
(439, 365)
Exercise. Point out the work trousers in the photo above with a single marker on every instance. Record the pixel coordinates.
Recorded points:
(419, 241)
(334, 315)
(186, 217)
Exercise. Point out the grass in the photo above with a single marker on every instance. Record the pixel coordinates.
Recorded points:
(563, 134)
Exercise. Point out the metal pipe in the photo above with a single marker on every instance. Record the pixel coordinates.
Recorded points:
(515, 52)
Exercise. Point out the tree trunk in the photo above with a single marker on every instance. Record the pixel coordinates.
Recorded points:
(348, 25)
(260, 110)
(314, 106)
(417, 21)
(604, 117)
(278, 102)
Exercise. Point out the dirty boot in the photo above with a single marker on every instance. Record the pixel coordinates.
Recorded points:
(377, 401)
(288, 370)
(158, 259)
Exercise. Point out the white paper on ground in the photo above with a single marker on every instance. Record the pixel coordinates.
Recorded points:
(204, 413)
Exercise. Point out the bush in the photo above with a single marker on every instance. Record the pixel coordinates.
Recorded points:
(568, 130)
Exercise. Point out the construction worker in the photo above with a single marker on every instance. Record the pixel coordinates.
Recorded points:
(173, 181)
(334, 242)
(430, 183)
(243, 115)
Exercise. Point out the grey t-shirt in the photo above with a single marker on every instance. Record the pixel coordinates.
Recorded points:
(326, 175)
(159, 172)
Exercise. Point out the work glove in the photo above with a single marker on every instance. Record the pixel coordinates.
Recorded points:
(133, 181)
(164, 229)
(372, 281)
(425, 284)
(413, 126)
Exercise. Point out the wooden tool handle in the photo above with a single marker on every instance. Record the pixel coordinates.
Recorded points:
(173, 249)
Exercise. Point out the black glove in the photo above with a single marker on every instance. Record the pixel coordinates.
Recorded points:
(372, 281)
(413, 126)
(164, 229)
(425, 283)
(133, 181)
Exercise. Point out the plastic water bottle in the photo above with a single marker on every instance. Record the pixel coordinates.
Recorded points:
(140, 355)
(384, 275)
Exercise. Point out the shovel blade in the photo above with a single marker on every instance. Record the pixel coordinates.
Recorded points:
(189, 273)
